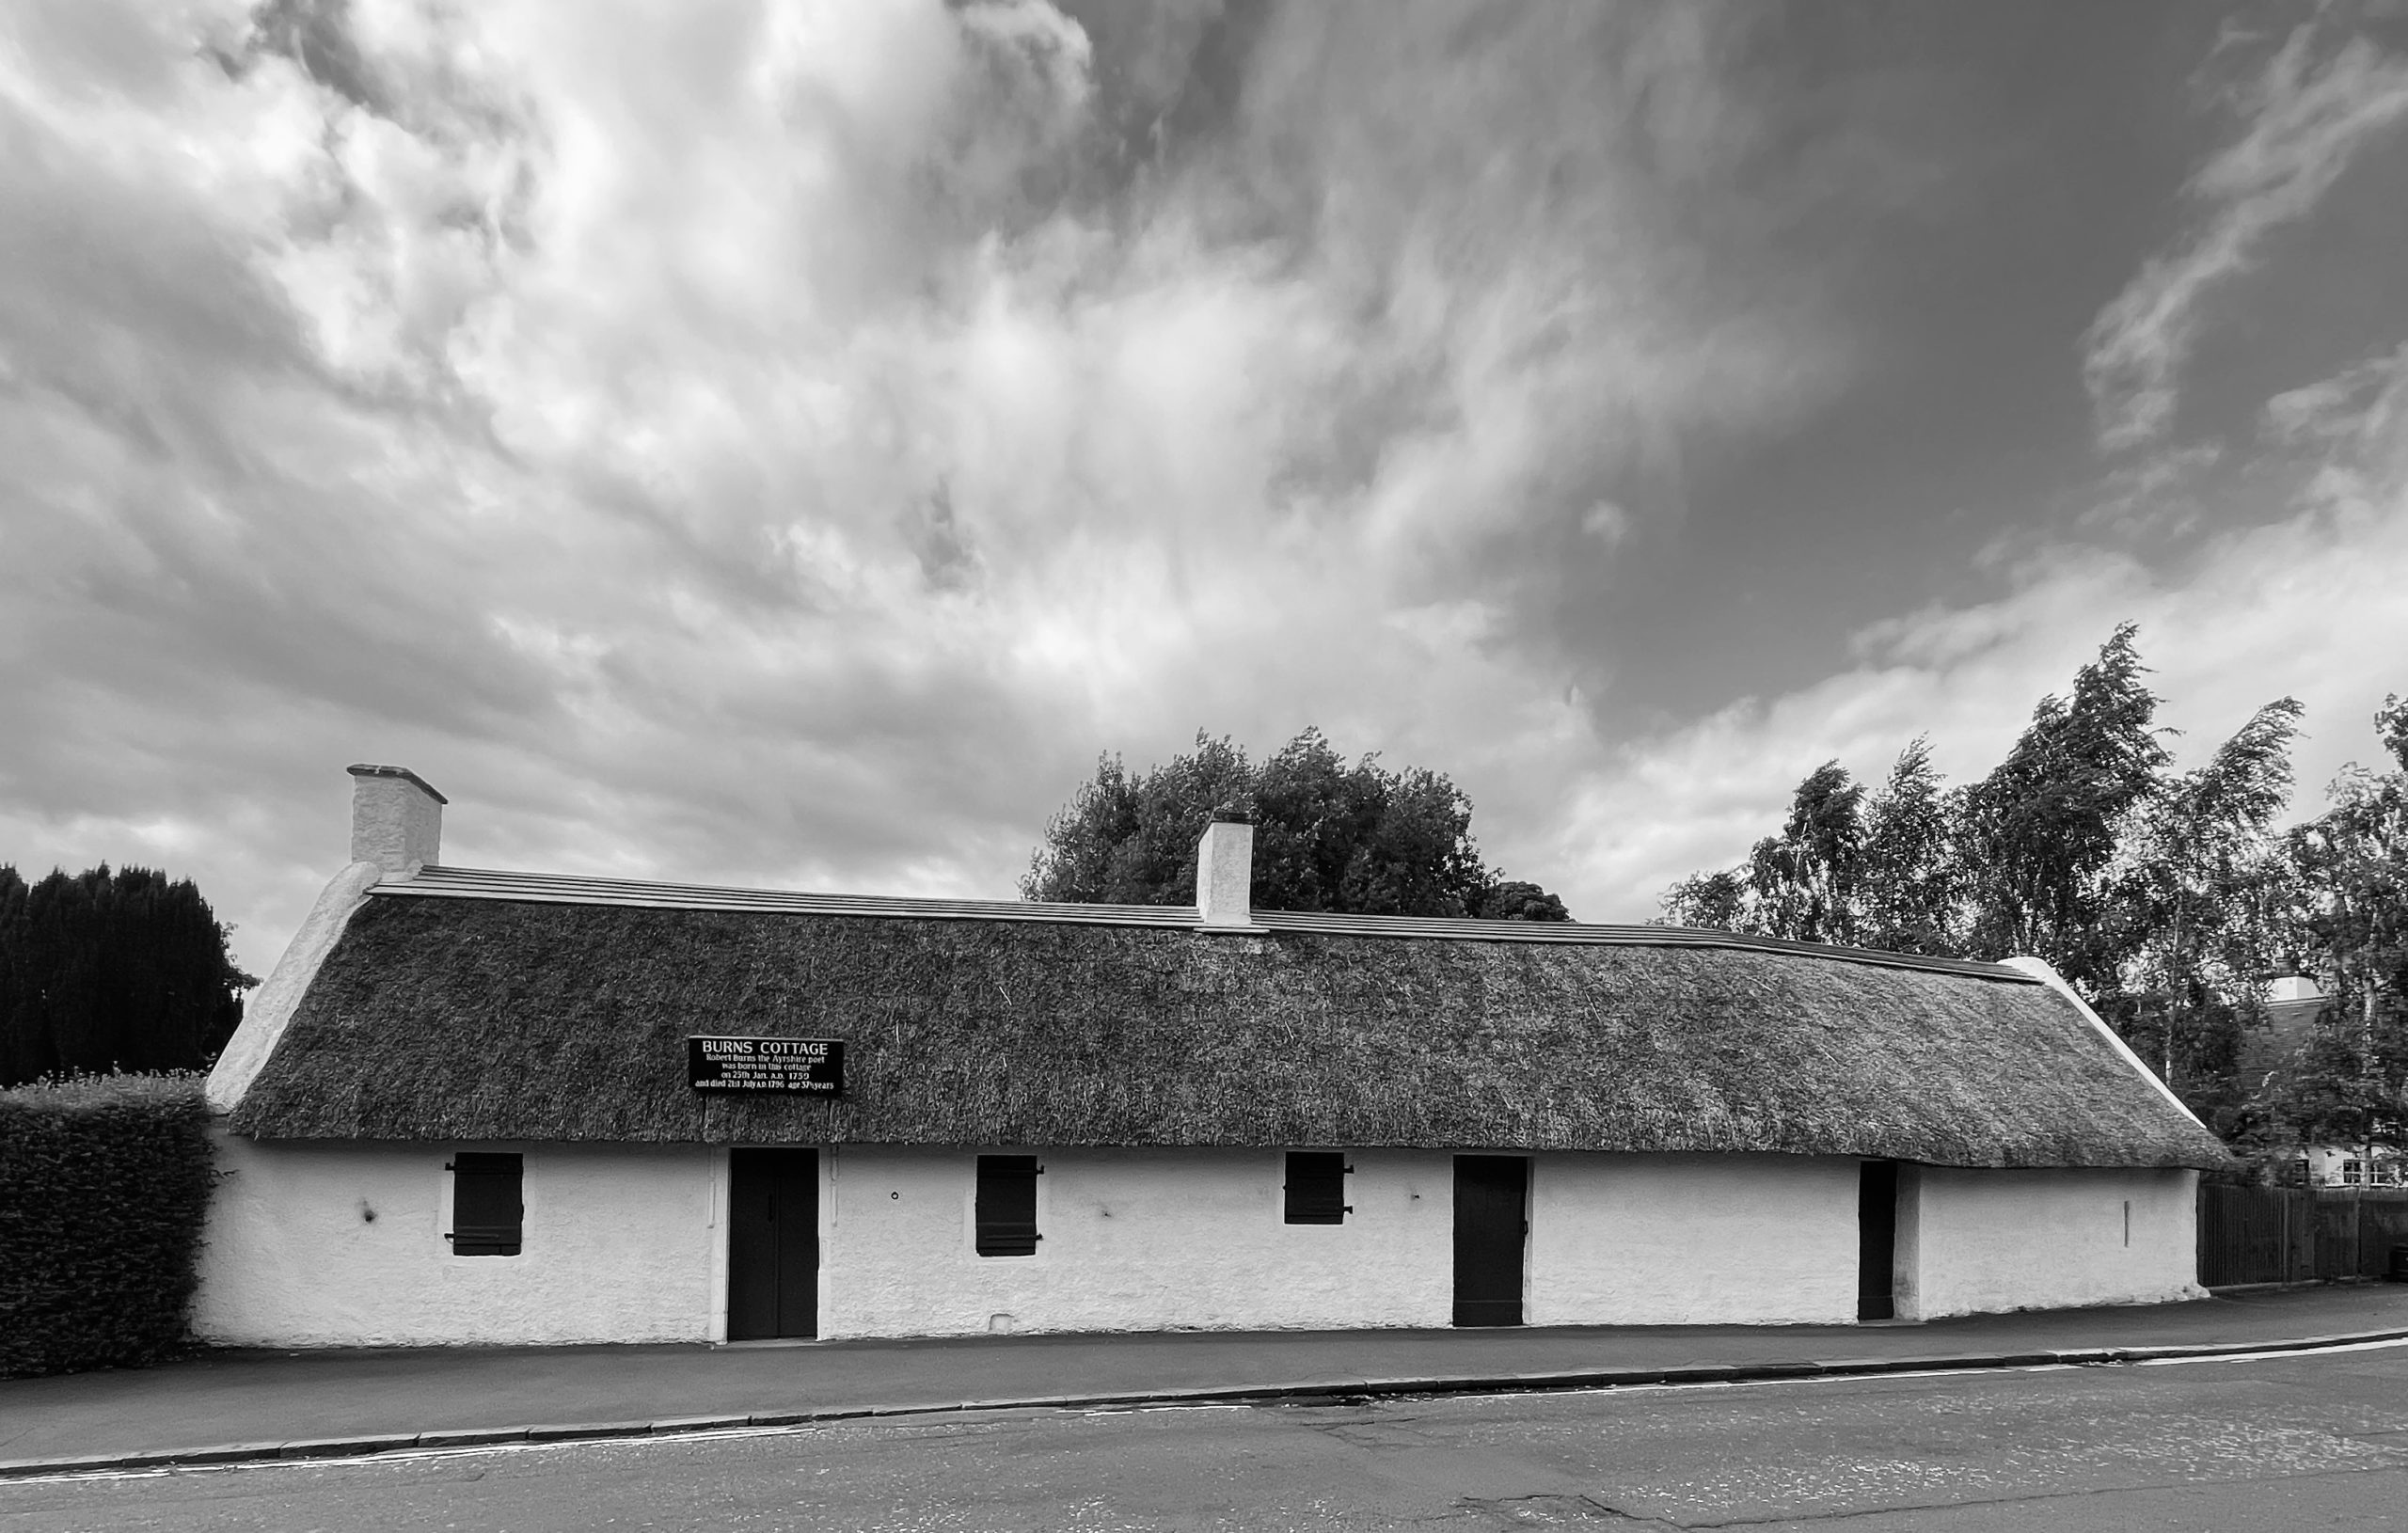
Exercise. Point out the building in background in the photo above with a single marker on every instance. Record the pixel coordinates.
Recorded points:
(493, 1107)
(2293, 1004)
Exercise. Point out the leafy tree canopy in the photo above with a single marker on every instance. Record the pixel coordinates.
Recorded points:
(2346, 1081)
(2167, 899)
(102, 971)
(1909, 884)
(1329, 835)
(2041, 828)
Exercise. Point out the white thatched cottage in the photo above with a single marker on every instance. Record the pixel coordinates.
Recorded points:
(475, 1106)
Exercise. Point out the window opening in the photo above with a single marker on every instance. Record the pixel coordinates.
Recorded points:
(1007, 1206)
(488, 1207)
(1316, 1187)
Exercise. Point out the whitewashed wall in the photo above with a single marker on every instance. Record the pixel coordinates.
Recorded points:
(1984, 1241)
(622, 1244)
(1692, 1240)
(1133, 1240)
(629, 1243)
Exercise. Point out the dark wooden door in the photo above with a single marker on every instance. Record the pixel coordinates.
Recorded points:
(773, 1243)
(1491, 1192)
(1877, 1240)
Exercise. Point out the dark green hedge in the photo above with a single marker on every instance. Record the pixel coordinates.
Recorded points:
(104, 1189)
(103, 972)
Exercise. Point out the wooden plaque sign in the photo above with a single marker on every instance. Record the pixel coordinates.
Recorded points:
(804, 1066)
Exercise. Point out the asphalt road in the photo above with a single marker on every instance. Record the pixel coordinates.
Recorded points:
(2296, 1442)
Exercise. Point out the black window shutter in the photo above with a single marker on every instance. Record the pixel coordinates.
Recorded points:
(485, 1205)
(1316, 1187)
(1006, 1211)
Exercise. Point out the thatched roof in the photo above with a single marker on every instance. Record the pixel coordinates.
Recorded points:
(508, 1008)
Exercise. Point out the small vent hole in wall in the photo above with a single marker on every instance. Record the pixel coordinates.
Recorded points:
(366, 1214)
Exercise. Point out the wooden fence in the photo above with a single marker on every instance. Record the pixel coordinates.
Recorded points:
(2297, 1234)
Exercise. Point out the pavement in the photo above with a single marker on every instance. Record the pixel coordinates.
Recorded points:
(228, 1406)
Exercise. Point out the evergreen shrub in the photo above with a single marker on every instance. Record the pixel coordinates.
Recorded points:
(103, 972)
(105, 1184)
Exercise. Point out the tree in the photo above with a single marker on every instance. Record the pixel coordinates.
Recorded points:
(2198, 893)
(2039, 833)
(1716, 901)
(2015, 863)
(1331, 837)
(2350, 1083)
(1328, 836)
(1802, 883)
(1844, 869)
(1515, 900)
(1911, 881)
(103, 970)
(20, 1059)
(2167, 901)
(1130, 839)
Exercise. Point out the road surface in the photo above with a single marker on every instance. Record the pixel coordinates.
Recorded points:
(2315, 1441)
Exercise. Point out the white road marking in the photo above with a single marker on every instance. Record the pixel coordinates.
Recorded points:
(2257, 1357)
(464, 1450)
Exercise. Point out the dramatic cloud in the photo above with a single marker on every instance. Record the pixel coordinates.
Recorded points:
(788, 444)
(2308, 605)
(2323, 97)
(2299, 594)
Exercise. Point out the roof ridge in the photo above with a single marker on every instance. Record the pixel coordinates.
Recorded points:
(435, 881)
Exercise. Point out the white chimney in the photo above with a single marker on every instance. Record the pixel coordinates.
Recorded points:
(396, 819)
(1225, 878)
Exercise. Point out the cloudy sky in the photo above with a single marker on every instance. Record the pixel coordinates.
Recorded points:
(787, 443)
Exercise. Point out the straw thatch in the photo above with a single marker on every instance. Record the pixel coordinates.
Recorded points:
(476, 1020)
